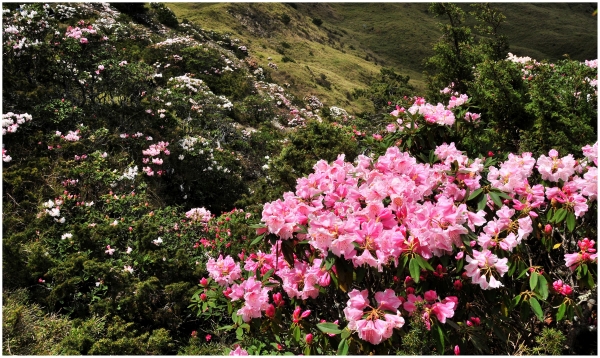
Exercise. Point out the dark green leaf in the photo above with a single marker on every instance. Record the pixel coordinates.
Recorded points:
(267, 275)
(475, 194)
(559, 216)
(515, 301)
(482, 202)
(296, 333)
(423, 263)
(346, 333)
(440, 339)
(415, 270)
(571, 221)
(496, 199)
(542, 287)
(562, 309)
(343, 348)
(536, 308)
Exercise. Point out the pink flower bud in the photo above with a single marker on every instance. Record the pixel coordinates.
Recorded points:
(456, 350)
(305, 314)
(309, 338)
(204, 281)
(270, 311)
(277, 299)
(203, 296)
(458, 285)
(548, 229)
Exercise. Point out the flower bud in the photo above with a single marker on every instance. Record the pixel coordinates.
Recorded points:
(204, 282)
(270, 311)
(309, 338)
(456, 350)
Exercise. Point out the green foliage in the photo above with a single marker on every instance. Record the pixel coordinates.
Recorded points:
(317, 141)
(164, 14)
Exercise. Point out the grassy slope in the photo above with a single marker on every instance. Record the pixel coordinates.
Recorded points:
(357, 39)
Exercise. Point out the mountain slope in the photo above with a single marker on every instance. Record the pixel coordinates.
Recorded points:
(355, 40)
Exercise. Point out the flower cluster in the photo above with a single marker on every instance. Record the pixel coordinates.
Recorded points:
(562, 288)
(255, 295)
(378, 322)
(153, 151)
(11, 121)
(198, 214)
(586, 254)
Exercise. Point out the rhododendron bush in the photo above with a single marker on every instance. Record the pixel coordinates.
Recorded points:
(378, 243)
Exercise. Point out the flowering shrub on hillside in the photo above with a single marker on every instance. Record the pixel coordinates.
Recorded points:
(405, 233)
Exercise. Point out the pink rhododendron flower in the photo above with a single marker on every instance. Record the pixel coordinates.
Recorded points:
(238, 351)
(587, 254)
(481, 267)
(562, 288)
(224, 270)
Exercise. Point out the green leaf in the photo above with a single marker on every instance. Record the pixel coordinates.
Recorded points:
(475, 194)
(562, 309)
(533, 280)
(239, 333)
(549, 215)
(482, 202)
(440, 339)
(590, 279)
(329, 262)
(296, 333)
(307, 350)
(415, 270)
(536, 308)
(267, 275)
(559, 216)
(502, 194)
(343, 348)
(423, 263)
(515, 301)
(330, 328)
(542, 287)
(346, 333)
(571, 221)
(257, 240)
(495, 198)
(460, 264)
(257, 226)
(523, 273)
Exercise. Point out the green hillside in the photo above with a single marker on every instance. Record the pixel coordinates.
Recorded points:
(355, 40)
